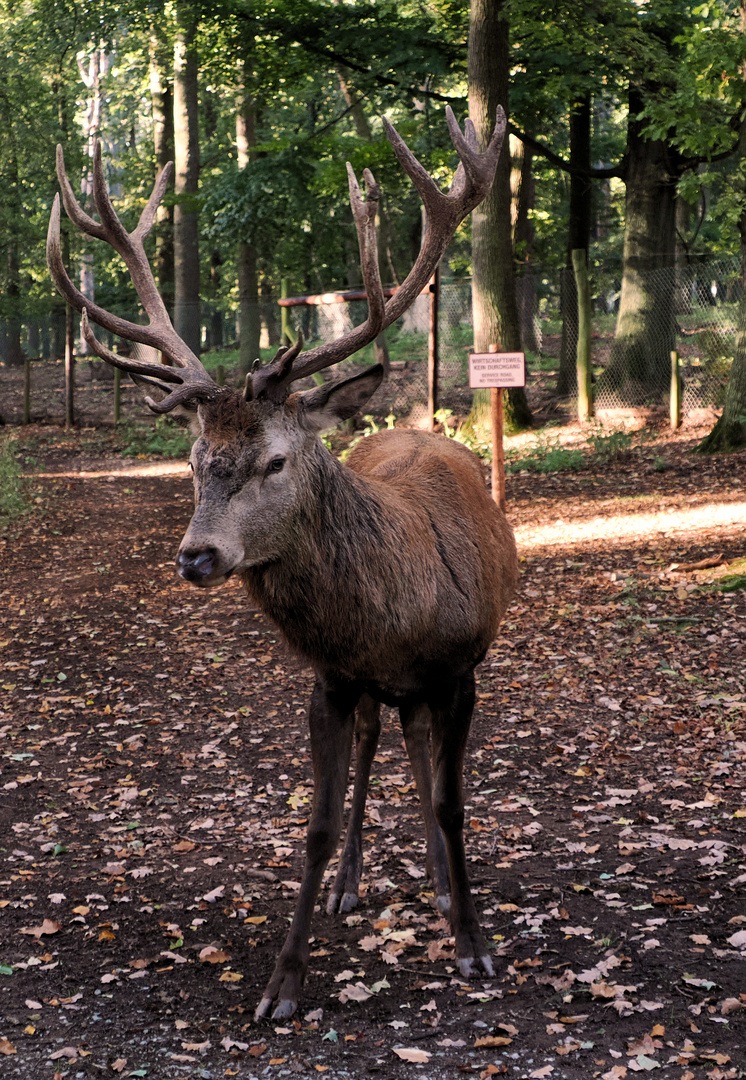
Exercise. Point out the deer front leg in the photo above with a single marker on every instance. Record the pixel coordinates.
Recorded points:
(415, 723)
(452, 710)
(331, 719)
(345, 890)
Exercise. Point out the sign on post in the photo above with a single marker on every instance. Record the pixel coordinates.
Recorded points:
(497, 371)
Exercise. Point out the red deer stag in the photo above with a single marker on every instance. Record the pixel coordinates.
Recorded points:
(389, 575)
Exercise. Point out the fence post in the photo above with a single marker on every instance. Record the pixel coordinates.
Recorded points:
(675, 396)
(117, 394)
(287, 334)
(583, 362)
(433, 348)
(26, 390)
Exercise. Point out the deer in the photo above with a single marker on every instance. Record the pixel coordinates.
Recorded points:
(388, 575)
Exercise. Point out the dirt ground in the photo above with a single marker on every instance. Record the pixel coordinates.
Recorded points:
(155, 788)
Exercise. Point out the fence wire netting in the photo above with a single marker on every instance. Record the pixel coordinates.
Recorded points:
(692, 310)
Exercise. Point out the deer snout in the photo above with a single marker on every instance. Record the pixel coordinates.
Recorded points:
(197, 565)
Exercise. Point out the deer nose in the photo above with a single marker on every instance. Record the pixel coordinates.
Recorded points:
(195, 566)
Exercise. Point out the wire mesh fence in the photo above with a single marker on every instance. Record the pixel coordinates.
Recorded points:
(692, 309)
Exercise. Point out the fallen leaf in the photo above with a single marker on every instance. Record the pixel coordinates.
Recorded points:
(413, 1055)
(211, 955)
(49, 926)
(355, 992)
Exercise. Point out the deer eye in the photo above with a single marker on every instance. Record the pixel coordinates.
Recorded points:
(276, 465)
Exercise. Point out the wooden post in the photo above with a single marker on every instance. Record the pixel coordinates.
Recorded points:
(288, 337)
(220, 375)
(433, 348)
(69, 367)
(117, 394)
(498, 450)
(675, 403)
(583, 362)
(26, 390)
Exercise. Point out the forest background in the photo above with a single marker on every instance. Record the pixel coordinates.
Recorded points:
(627, 142)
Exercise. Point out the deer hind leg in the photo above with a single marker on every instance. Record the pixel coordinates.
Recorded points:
(451, 718)
(344, 892)
(331, 721)
(416, 727)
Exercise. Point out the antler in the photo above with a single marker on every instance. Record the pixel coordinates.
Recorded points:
(444, 213)
(192, 378)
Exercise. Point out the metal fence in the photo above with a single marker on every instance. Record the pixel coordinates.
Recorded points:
(699, 320)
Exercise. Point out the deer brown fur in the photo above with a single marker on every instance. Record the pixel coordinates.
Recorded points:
(389, 574)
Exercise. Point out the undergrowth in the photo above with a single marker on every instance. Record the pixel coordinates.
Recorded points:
(13, 499)
(166, 439)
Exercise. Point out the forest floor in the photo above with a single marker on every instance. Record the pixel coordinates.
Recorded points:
(155, 789)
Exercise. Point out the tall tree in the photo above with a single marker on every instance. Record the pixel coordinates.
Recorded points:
(187, 319)
(494, 303)
(249, 318)
(161, 99)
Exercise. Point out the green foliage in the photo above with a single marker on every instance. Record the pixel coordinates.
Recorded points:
(13, 499)
(611, 446)
(546, 456)
(731, 583)
(165, 439)
(372, 427)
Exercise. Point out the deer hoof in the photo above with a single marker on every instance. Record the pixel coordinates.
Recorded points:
(468, 965)
(339, 905)
(443, 903)
(262, 1009)
(285, 1009)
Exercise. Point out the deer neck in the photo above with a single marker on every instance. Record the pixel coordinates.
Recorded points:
(310, 590)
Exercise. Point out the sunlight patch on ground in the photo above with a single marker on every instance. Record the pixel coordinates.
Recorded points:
(621, 528)
(121, 470)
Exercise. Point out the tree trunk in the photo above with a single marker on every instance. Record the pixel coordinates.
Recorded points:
(522, 191)
(640, 359)
(729, 432)
(161, 98)
(187, 320)
(91, 69)
(493, 290)
(578, 235)
(249, 311)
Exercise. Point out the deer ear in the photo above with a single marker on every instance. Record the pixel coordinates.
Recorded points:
(326, 406)
(185, 415)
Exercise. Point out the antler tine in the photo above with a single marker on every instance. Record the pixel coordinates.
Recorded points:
(125, 363)
(444, 212)
(159, 334)
(273, 380)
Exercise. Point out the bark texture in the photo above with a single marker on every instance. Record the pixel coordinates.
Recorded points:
(578, 237)
(186, 181)
(161, 97)
(729, 432)
(493, 291)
